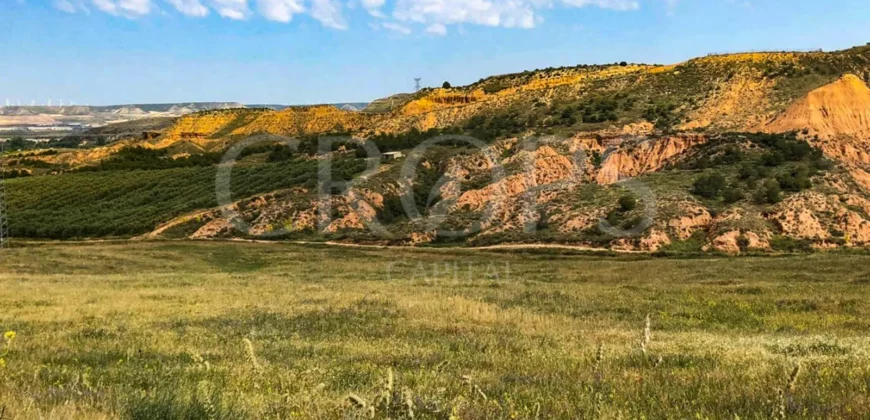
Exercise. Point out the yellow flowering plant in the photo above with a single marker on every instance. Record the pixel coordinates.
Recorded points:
(8, 336)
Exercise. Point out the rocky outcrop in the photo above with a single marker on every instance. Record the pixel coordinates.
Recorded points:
(654, 241)
(817, 217)
(835, 117)
(693, 218)
(735, 242)
(840, 109)
(547, 167)
(644, 156)
(737, 104)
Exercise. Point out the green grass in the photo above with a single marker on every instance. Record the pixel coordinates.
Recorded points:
(159, 330)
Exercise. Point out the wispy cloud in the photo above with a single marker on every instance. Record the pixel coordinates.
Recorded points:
(374, 7)
(279, 10)
(127, 8)
(402, 16)
(190, 7)
(65, 6)
(328, 13)
(395, 27)
(232, 9)
(437, 29)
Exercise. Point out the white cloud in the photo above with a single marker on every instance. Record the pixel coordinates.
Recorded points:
(437, 29)
(403, 16)
(496, 13)
(232, 9)
(374, 7)
(279, 10)
(64, 6)
(190, 7)
(127, 8)
(395, 27)
(506, 13)
(136, 7)
(328, 13)
(231, 13)
(107, 6)
(605, 4)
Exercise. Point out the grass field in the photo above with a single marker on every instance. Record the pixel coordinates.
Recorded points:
(241, 330)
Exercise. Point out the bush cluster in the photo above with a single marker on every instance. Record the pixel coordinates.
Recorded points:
(142, 158)
(784, 164)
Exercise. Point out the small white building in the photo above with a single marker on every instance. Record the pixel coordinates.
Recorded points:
(392, 156)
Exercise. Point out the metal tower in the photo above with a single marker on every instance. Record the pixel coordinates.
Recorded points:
(4, 222)
(417, 83)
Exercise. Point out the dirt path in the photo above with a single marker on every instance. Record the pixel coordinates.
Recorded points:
(513, 247)
(154, 234)
(508, 247)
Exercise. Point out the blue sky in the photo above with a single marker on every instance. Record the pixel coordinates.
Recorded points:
(319, 51)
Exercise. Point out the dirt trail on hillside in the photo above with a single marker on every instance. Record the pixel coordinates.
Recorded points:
(173, 223)
(514, 247)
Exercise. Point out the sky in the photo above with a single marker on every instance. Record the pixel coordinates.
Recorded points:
(102, 52)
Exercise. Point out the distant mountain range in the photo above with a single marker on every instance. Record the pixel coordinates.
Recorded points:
(345, 106)
(102, 115)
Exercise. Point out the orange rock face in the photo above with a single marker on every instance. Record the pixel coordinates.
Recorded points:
(838, 114)
(729, 242)
(647, 156)
(736, 105)
(547, 166)
(694, 218)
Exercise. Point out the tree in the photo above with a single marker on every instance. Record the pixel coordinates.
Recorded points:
(769, 193)
(17, 143)
(623, 64)
(627, 203)
(797, 179)
(709, 186)
(446, 85)
(732, 194)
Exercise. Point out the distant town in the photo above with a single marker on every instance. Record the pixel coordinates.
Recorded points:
(39, 128)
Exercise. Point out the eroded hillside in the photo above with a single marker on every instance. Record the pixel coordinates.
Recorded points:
(624, 156)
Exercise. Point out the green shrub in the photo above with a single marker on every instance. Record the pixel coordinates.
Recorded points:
(662, 115)
(732, 195)
(730, 156)
(142, 158)
(392, 209)
(709, 186)
(494, 87)
(18, 143)
(769, 193)
(627, 203)
(798, 179)
(743, 242)
(788, 244)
